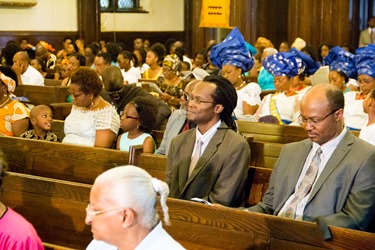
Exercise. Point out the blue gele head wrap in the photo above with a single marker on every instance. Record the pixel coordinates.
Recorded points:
(341, 60)
(232, 51)
(306, 65)
(365, 60)
(281, 64)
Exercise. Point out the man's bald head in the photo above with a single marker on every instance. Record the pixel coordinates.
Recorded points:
(325, 92)
(41, 51)
(22, 56)
(112, 78)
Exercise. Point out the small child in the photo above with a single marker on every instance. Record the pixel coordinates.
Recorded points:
(41, 119)
(137, 121)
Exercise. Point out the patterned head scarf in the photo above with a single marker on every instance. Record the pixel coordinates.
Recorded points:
(9, 82)
(365, 60)
(306, 65)
(172, 61)
(232, 51)
(281, 64)
(341, 60)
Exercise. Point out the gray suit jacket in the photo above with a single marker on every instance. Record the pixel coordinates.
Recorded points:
(175, 123)
(220, 173)
(344, 193)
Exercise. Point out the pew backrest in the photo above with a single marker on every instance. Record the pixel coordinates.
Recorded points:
(264, 154)
(57, 210)
(52, 82)
(60, 161)
(58, 129)
(154, 164)
(43, 94)
(61, 110)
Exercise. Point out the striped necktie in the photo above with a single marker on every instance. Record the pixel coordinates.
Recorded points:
(304, 187)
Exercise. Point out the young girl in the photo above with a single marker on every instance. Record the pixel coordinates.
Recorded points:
(137, 120)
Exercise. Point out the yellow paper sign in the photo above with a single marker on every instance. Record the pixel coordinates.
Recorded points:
(215, 13)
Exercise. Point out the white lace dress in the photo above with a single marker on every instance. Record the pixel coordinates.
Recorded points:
(249, 94)
(81, 125)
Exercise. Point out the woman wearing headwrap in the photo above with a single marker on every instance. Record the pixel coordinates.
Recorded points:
(341, 67)
(234, 59)
(285, 66)
(306, 67)
(355, 117)
(170, 83)
(14, 116)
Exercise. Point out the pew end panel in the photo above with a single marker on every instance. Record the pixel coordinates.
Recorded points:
(43, 94)
(58, 128)
(257, 185)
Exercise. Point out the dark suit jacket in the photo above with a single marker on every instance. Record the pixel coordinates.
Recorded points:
(220, 173)
(344, 193)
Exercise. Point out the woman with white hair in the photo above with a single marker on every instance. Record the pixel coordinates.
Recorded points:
(122, 211)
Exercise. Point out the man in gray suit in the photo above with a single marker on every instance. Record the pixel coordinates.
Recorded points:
(211, 161)
(343, 190)
(367, 36)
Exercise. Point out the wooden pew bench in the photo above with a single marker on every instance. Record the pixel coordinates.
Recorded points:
(52, 82)
(57, 210)
(264, 154)
(271, 132)
(42, 94)
(60, 161)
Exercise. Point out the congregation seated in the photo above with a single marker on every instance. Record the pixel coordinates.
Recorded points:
(341, 68)
(211, 68)
(76, 60)
(234, 59)
(14, 115)
(177, 122)
(129, 73)
(41, 119)
(40, 66)
(140, 64)
(92, 121)
(137, 121)
(15, 231)
(26, 74)
(211, 161)
(355, 117)
(43, 50)
(265, 78)
(170, 83)
(154, 59)
(61, 54)
(120, 94)
(285, 66)
(306, 183)
(126, 196)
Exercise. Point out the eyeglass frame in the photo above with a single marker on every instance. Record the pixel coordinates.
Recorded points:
(116, 92)
(91, 212)
(314, 121)
(196, 99)
(76, 96)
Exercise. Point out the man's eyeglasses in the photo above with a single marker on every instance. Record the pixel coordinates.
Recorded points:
(122, 114)
(116, 92)
(196, 99)
(91, 212)
(303, 120)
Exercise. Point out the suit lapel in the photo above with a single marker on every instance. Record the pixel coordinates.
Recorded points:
(184, 162)
(342, 149)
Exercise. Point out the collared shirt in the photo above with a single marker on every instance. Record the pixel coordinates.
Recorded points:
(206, 138)
(327, 150)
(32, 77)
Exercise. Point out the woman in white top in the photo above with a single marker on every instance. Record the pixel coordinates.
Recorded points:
(368, 130)
(92, 121)
(355, 117)
(122, 211)
(234, 59)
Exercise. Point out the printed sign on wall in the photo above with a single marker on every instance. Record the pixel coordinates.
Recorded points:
(215, 13)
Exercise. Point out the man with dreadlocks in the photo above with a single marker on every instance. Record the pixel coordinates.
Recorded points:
(210, 161)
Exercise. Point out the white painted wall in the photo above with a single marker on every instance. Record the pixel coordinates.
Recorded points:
(163, 15)
(47, 15)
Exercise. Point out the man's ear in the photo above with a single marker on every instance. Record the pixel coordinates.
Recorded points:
(218, 108)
